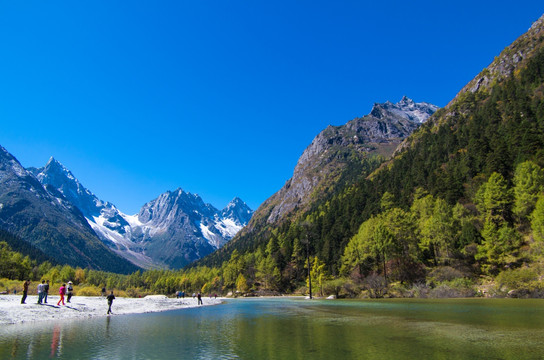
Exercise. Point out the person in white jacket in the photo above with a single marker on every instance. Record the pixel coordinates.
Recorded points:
(41, 289)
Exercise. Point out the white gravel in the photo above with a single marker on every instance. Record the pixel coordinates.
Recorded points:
(13, 312)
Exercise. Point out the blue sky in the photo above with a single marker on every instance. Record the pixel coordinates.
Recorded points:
(221, 98)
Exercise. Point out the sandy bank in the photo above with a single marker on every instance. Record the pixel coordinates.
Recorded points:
(13, 312)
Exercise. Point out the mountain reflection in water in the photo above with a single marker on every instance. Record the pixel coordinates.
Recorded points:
(286, 328)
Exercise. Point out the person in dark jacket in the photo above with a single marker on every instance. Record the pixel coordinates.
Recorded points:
(45, 291)
(69, 291)
(25, 291)
(110, 298)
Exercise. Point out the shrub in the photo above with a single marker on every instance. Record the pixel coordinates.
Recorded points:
(88, 290)
(459, 287)
(523, 281)
(398, 290)
(334, 287)
(137, 292)
(443, 273)
(376, 285)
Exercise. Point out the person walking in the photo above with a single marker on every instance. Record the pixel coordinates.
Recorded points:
(40, 291)
(25, 291)
(45, 291)
(70, 290)
(62, 292)
(199, 296)
(110, 298)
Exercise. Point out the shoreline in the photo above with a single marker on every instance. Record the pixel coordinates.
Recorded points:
(13, 312)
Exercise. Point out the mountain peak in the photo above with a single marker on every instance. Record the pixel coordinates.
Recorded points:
(238, 211)
(51, 160)
(236, 202)
(54, 166)
(54, 173)
(406, 108)
(9, 161)
(406, 101)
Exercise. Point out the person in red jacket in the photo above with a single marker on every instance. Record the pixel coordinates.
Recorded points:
(62, 291)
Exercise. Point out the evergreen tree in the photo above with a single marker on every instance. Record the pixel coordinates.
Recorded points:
(528, 183)
(537, 219)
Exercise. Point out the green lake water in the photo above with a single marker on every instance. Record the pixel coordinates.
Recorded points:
(283, 328)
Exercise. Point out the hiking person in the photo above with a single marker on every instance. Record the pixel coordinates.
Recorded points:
(199, 299)
(110, 298)
(25, 291)
(40, 291)
(45, 291)
(62, 292)
(70, 291)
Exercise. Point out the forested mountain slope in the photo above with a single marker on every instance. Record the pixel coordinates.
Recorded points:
(464, 193)
(337, 157)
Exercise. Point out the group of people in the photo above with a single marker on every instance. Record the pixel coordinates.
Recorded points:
(64, 290)
(43, 292)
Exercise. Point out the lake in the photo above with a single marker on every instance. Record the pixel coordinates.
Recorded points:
(287, 328)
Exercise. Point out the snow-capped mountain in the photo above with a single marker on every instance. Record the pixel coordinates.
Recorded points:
(406, 108)
(42, 216)
(178, 227)
(170, 231)
(55, 174)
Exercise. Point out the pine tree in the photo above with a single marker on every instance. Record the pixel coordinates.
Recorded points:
(528, 183)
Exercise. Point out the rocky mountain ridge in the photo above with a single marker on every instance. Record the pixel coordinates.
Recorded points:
(377, 133)
(506, 64)
(512, 57)
(42, 216)
(170, 231)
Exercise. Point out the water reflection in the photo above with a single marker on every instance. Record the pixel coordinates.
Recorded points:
(288, 329)
(56, 342)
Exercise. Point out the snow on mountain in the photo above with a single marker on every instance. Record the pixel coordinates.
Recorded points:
(180, 212)
(406, 108)
(40, 214)
(170, 231)
(55, 174)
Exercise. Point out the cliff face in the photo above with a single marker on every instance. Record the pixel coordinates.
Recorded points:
(336, 147)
